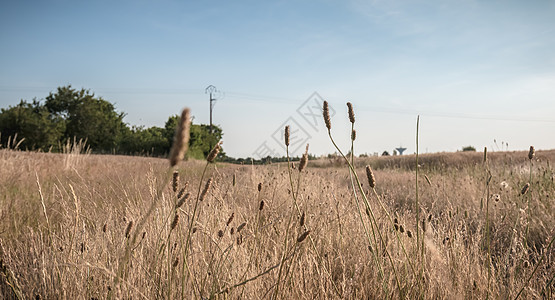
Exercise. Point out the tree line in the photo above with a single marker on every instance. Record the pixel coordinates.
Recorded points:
(70, 114)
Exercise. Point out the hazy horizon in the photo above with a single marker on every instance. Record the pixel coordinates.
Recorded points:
(474, 71)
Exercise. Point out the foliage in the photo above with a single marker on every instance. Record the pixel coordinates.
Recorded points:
(88, 117)
(70, 114)
(469, 148)
(33, 122)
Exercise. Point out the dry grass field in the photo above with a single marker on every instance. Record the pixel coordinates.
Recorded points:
(436, 226)
(95, 227)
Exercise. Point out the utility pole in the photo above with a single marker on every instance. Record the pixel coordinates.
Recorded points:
(211, 90)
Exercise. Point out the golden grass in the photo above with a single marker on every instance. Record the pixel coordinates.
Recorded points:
(68, 240)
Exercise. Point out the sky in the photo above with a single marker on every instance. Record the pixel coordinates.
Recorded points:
(479, 73)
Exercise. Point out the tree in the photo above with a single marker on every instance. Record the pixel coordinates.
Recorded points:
(151, 141)
(33, 122)
(87, 117)
(469, 148)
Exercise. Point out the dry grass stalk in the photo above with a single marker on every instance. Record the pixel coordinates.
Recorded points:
(353, 135)
(181, 138)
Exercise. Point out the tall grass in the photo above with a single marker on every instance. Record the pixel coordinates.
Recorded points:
(127, 227)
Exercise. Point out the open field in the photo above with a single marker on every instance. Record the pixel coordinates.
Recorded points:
(95, 227)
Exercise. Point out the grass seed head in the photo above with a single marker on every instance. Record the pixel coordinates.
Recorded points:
(326, 113)
(409, 234)
(301, 223)
(240, 227)
(212, 155)
(128, 229)
(351, 113)
(303, 162)
(531, 153)
(230, 219)
(525, 188)
(175, 181)
(370, 175)
(287, 135)
(303, 236)
(174, 222)
(259, 186)
(182, 200)
(181, 192)
(261, 207)
(220, 233)
(205, 190)
(181, 138)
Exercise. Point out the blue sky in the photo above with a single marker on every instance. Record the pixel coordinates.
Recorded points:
(476, 71)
